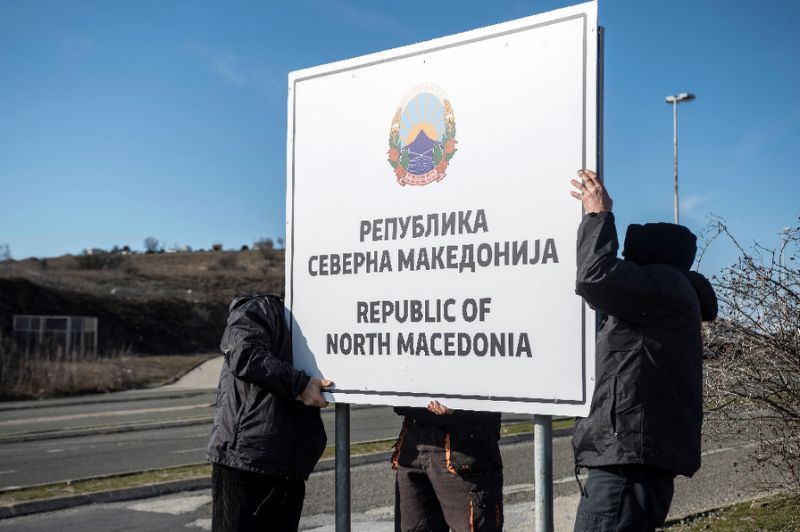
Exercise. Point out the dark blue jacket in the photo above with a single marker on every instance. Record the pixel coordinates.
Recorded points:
(259, 426)
(648, 399)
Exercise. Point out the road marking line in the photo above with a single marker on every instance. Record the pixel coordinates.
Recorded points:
(728, 449)
(715, 451)
(517, 488)
(189, 450)
(68, 417)
(570, 479)
(8, 471)
(173, 505)
(54, 451)
(380, 510)
(203, 524)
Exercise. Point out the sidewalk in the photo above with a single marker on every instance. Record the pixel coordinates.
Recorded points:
(518, 517)
(203, 377)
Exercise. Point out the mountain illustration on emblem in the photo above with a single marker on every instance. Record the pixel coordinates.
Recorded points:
(420, 154)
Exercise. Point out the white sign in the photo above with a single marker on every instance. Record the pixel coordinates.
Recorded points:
(430, 232)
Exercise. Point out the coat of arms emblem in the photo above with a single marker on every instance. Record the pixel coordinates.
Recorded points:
(422, 139)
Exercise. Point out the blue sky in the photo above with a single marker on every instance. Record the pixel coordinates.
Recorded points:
(121, 120)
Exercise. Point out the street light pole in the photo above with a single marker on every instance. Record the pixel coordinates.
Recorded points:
(675, 100)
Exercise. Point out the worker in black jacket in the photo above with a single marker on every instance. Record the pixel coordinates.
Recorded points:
(645, 420)
(449, 474)
(267, 434)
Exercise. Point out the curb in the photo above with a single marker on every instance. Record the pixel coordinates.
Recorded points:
(126, 494)
(386, 456)
(117, 429)
(167, 488)
(142, 394)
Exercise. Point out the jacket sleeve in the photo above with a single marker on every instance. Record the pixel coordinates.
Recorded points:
(248, 346)
(609, 284)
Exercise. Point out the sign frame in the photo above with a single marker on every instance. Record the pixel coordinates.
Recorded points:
(591, 157)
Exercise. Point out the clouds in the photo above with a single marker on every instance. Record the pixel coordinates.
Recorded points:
(696, 206)
(234, 69)
(360, 17)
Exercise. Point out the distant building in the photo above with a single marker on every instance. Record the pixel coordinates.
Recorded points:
(56, 334)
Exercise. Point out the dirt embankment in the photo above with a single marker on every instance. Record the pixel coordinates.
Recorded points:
(148, 304)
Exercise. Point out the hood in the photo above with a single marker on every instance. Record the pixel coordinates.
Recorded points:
(705, 292)
(660, 243)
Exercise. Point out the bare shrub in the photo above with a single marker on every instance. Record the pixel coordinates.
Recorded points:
(228, 261)
(267, 248)
(100, 261)
(753, 375)
(46, 374)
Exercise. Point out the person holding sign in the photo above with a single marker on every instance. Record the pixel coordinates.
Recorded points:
(449, 470)
(644, 425)
(267, 434)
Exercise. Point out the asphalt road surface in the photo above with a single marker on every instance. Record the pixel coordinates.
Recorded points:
(172, 429)
(182, 422)
(723, 479)
(96, 411)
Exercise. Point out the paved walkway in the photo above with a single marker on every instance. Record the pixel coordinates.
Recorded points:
(518, 517)
(204, 376)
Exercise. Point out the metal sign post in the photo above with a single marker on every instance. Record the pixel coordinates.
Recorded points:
(543, 471)
(342, 467)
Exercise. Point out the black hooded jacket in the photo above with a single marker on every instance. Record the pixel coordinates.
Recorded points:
(648, 400)
(259, 426)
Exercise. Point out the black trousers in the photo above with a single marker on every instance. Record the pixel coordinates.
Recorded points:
(448, 479)
(250, 502)
(625, 498)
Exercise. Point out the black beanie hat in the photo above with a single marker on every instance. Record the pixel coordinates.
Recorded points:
(660, 243)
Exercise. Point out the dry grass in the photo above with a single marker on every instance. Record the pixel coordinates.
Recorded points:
(779, 513)
(112, 482)
(525, 427)
(41, 375)
(199, 276)
(162, 303)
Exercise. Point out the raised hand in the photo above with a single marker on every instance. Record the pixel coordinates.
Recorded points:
(591, 192)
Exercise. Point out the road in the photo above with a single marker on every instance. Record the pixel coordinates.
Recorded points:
(721, 481)
(158, 442)
(177, 426)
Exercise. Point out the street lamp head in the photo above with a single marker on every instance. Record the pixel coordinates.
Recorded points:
(678, 98)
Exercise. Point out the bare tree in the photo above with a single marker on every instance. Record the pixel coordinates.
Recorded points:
(5, 252)
(151, 244)
(281, 242)
(753, 375)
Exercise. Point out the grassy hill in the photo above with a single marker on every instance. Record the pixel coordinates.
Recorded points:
(159, 303)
